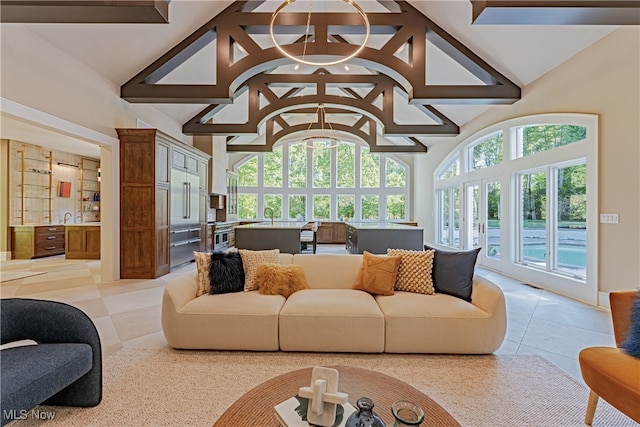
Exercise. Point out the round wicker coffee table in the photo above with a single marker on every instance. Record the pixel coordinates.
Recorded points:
(255, 408)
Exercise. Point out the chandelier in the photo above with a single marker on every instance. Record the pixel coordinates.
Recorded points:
(326, 139)
(307, 35)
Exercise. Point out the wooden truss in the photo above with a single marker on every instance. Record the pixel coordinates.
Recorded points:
(405, 28)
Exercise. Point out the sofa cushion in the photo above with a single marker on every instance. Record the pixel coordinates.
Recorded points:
(329, 271)
(331, 320)
(377, 274)
(417, 323)
(32, 374)
(453, 272)
(233, 321)
(226, 273)
(276, 279)
(251, 260)
(414, 274)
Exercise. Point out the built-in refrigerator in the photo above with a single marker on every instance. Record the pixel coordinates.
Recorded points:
(185, 211)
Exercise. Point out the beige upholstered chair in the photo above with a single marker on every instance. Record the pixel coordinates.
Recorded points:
(609, 372)
(308, 237)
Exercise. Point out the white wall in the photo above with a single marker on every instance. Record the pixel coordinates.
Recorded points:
(604, 79)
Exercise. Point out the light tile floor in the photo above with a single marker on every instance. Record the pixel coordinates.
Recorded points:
(127, 312)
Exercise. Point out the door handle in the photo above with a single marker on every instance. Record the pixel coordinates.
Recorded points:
(189, 200)
(186, 200)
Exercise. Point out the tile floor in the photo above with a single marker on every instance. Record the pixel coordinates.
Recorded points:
(127, 312)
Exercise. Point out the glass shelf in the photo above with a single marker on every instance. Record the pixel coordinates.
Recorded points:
(45, 160)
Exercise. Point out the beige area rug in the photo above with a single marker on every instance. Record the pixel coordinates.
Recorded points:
(6, 276)
(162, 387)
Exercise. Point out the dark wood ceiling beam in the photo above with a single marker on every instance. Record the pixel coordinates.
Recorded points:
(85, 11)
(556, 12)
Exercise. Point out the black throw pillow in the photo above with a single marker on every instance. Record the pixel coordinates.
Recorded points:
(226, 273)
(453, 272)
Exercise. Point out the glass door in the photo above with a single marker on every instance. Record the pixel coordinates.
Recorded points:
(482, 220)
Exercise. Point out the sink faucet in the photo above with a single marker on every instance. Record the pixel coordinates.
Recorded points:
(65, 216)
(265, 214)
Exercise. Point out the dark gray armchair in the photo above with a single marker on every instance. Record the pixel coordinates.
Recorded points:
(64, 369)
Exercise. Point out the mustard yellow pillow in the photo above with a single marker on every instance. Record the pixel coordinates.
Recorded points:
(414, 274)
(377, 274)
(277, 279)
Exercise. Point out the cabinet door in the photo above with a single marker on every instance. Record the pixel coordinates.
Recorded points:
(163, 165)
(325, 233)
(339, 232)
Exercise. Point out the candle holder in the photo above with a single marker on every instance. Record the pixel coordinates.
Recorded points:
(406, 414)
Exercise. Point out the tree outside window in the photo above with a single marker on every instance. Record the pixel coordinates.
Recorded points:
(248, 206)
(396, 174)
(321, 168)
(248, 173)
(370, 207)
(346, 155)
(346, 206)
(274, 201)
(395, 206)
(297, 206)
(369, 169)
(321, 206)
(272, 174)
(297, 165)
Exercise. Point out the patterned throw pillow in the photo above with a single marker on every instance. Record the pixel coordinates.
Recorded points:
(378, 274)
(251, 260)
(277, 279)
(414, 274)
(203, 264)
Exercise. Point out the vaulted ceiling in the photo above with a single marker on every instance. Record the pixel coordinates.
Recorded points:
(405, 112)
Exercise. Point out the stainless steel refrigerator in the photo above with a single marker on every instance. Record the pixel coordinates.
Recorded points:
(185, 227)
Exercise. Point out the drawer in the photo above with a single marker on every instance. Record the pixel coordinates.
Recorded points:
(51, 249)
(49, 230)
(53, 238)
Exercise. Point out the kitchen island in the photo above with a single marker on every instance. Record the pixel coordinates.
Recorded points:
(82, 241)
(377, 237)
(283, 235)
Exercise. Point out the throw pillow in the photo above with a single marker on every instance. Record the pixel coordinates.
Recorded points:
(203, 264)
(414, 274)
(453, 272)
(631, 344)
(377, 274)
(251, 260)
(226, 273)
(277, 279)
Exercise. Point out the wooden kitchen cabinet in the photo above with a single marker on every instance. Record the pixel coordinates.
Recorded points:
(35, 241)
(331, 232)
(82, 241)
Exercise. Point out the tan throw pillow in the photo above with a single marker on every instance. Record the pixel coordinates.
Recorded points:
(277, 279)
(203, 264)
(414, 274)
(377, 274)
(251, 260)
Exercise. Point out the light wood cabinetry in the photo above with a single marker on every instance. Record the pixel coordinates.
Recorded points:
(34, 241)
(331, 232)
(90, 190)
(144, 204)
(82, 241)
(33, 202)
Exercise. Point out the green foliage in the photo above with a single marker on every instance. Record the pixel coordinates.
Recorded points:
(248, 173)
(322, 168)
(297, 205)
(396, 174)
(452, 170)
(297, 166)
(248, 206)
(370, 206)
(346, 157)
(273, 201)
(395, 206)
(346, 206)
(572, 193)
(488, 152)
(273, 168)
(545, 137)
(369, 169)
(321, 207)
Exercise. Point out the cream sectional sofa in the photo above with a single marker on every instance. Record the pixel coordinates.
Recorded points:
(330, 316)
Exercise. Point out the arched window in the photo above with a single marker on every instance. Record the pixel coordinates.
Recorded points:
(341, 183)
(525, 190)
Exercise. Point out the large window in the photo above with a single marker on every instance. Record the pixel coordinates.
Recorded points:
(347, 182)
(527, 191)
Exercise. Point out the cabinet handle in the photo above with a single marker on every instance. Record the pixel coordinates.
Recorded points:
(50, 248)
(52, 229)
(51, 237)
